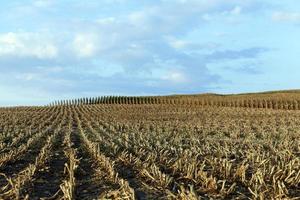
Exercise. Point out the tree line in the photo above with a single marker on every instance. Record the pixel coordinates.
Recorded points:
(250, 102)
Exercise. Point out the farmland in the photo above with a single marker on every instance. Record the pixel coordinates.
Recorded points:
(176, 147)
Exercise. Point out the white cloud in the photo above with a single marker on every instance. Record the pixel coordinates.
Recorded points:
(52, 69)
(27, 76)
(178, 44)
(236, 10)
(188, 45)
(293, 17)
(42, 3)
(85, 44)
(97, 42)
(106, 21)
(230, 15)
(175, 76)
(27, 45)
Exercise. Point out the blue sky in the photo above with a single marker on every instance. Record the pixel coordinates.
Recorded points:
(60, 49)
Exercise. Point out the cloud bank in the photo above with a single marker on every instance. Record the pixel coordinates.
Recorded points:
(64, 50)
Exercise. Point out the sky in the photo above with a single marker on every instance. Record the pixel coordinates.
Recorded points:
(64, 49)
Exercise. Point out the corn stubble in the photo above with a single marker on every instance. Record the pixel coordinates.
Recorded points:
(148, 148)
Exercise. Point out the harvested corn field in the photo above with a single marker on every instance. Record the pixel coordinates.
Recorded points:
(170, 149)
